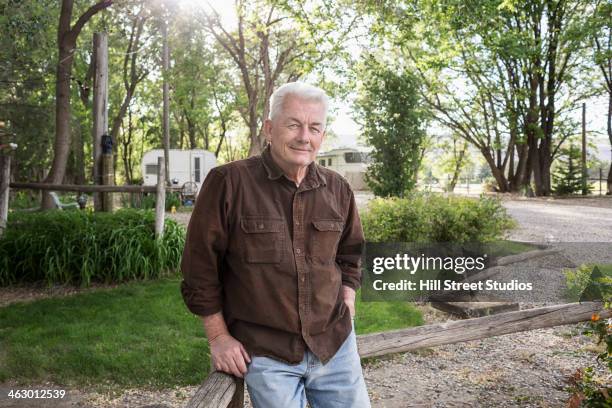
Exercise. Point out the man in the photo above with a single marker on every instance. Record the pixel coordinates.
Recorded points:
(271, 264)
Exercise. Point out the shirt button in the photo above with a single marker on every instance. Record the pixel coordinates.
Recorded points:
(302, 279)
(297, 223)
(298, 250)
(260, 226)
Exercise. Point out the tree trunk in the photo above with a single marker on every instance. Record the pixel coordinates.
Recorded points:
(499, 176)
(457, 169)
(61, 146)
(66, 40)
(610, 137)
(79, 156)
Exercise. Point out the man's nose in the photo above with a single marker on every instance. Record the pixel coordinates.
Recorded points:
(303, 136)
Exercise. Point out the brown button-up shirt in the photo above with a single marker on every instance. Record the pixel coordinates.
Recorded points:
(274, 257)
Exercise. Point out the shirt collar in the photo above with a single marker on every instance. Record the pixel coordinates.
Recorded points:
(314, 178)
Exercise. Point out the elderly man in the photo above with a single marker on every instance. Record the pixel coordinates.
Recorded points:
(271, 264)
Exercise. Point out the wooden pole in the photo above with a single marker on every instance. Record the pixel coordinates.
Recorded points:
(584, 165)
(5, 179)
(108, 179)
(84, 188)
(100, 112)
(160, 199)
(166, 100)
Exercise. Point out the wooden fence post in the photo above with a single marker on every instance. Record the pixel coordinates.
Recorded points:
(5, 179)
(160, 198)
(100, 112)
(107, 180)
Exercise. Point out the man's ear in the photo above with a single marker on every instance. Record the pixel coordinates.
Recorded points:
(267, 128)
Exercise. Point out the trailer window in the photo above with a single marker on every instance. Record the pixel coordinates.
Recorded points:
(322, 162)
(196, 165)
(329, 162)
(151, 169)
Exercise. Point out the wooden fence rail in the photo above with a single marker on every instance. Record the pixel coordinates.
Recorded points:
(159, 190)
(219, 389)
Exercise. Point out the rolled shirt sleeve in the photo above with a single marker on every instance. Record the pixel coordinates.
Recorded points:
(351, 245)
(205, 246)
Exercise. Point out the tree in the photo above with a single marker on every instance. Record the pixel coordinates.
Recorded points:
(393, 122)
(501, 73)
(568, 176)
(26, 83)
(455, 159)
(277, 42)
(602, 39)
(67, 35)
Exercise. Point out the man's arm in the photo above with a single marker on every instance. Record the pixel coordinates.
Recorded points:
(349, 253)
(202, 288)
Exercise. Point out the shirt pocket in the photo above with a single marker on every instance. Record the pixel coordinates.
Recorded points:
(264, 239)
(326, 236)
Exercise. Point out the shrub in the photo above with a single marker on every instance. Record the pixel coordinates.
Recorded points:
(23, 199)
(172, 199)
(79, 247)
(593, 282)
(435, 218)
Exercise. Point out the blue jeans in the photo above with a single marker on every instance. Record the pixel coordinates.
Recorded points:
(339, 383)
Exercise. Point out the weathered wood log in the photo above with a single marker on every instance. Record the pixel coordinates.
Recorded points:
(510, 259)
(379, 344)
(84, 188)
(219, 390)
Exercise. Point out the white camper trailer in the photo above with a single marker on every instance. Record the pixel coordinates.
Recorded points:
(350, 163)
(185, 166)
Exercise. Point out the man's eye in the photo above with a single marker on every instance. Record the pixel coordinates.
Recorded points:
(293, 126)
(316, 131)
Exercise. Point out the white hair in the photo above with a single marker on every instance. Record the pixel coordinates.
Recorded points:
(301, 90)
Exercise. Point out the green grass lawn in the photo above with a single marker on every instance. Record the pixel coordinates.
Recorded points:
(137, 335)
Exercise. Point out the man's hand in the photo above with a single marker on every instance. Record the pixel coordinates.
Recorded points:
(349, 299)
(229, 355)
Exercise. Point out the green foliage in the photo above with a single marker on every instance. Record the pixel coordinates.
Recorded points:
(81, 247)
(567, 178)
(393, 121)
(435, 218)
(23, 199)
(148, 202)
(587, 391)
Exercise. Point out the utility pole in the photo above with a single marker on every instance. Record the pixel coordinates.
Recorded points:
(166, 98)
(584, 165)
(100, 111)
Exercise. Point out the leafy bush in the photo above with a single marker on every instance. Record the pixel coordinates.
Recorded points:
(23, 199)
(172, 199)
(593, 282)
(80, 247)
(435, 218)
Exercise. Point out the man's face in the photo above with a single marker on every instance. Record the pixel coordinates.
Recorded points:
(296, 133)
